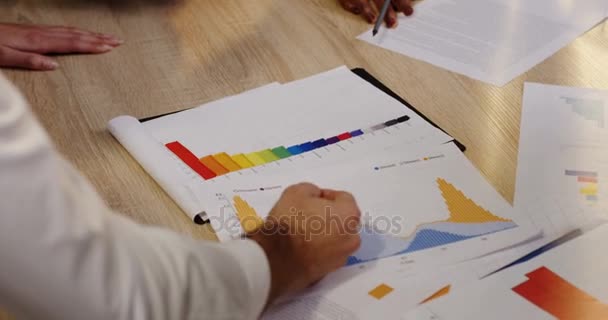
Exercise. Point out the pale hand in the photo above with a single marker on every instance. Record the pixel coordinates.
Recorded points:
(28, 46)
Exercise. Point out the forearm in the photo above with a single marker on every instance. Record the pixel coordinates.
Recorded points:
(65, 255)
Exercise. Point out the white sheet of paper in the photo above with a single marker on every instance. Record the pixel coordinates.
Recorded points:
(320, 106)
(489, 40)
(572, 276)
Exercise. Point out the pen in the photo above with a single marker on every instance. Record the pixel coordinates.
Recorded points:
(381, 17)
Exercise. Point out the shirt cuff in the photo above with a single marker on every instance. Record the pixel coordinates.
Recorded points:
(254, 263)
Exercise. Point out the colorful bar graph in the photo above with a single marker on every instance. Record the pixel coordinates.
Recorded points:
(227, 162)
(345, 136)
(214, 165)
(221, 163)
(332, 140)
(242, 161)
(306, 146)
(255, 158)
(356, 133)
(558, 297)
(267, 155)
(281, 152)
(190, 160)
(295, 150)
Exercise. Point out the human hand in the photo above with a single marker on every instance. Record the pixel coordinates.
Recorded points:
(309, 233)
(370, 9)
(27, 46)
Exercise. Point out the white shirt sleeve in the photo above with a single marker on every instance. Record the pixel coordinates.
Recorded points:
(65, 255)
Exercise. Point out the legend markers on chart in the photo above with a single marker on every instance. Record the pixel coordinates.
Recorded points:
(211, 166)
(588, 180)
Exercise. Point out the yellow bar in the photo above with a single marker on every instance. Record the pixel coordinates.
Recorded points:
(227, 162)
(250, 220)
(242, 161)
(267, 155)
(255, 159)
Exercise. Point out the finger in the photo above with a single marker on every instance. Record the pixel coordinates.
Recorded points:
(360, 7)
(89, 37)
(404, 6)
(73, 44)
(328, 194)
(61, 30)
(391, 16)
(13, 58)
(303, 189)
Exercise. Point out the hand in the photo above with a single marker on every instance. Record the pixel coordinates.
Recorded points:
(370, 9)
(26, 46)
(309, 233)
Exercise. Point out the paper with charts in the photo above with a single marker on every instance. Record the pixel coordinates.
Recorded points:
(271, 127)
(422, 208)
(568, 282)
(493, 41)
(431, 205)
(563, 155)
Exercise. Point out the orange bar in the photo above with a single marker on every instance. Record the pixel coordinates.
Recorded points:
(215, 166)
(560, 298)
(226, 162)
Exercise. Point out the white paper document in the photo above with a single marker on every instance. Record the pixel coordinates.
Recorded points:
(568, 282)
(489, 40)
(337, 108)
(423, 209)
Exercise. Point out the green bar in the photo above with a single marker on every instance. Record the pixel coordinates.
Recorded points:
(267, 155)
(281, 152)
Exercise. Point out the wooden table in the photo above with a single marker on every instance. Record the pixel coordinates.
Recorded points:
(183, 55)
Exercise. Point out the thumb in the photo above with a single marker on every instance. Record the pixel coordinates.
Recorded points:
(10, 57)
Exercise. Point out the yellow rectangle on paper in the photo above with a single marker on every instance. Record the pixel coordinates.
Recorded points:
(381, 291)
(589, 190)
(242, 161)
(227, 162)
(268, 156)
(255, 159)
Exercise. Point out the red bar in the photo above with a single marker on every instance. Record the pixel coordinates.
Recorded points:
(587, 179)
(344, 136)
(190, 159)
(560, 298)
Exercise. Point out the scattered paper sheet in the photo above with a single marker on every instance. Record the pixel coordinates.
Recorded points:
(489, 40)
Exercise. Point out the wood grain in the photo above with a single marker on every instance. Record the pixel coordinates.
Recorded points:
(183, 54)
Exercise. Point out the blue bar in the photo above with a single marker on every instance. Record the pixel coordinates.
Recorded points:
(332, 140)
(319, 143)
(592, 198)
(294, 150)
(581, 173)
(356, 133)
(305, 147)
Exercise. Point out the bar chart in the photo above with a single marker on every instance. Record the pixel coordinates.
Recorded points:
(212, 166)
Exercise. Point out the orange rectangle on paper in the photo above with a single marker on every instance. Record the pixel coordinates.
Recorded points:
(214, 166)
(558, 297)
(380, 291)
(587, 179)
(226, 161)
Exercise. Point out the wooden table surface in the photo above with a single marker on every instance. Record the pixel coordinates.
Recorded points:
(184, 54)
